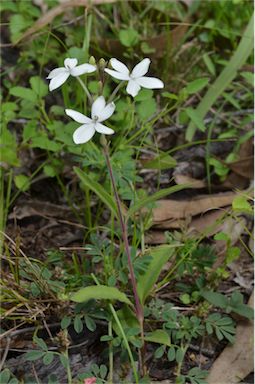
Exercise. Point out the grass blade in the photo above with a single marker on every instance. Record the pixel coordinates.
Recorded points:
(240, 56)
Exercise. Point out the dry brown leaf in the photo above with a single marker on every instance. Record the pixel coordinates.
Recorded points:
(160, 43)
(174, 209)
(56, 11)
(204, 224)
(194, 183)
(236, 361)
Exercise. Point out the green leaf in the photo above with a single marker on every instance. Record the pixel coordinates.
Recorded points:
(238, 59)
(38, 86)
(65, 322)
(158, 336)
(163, 161)
(146, 108)
(159, 256)
(196, 85)
(209, 63)
(17, 24)
(64, 360)
(40, 342)
(78, 324)
(99, 292)
(5, 376)
(215, 298)
(179, 355)
(159, 352)
(196, 119)
(128, 37)
(249, 77)
(34, 355)
(48, 358)
(98, 189)
(171, 354)
(240, 204)
(24, 93)
(44, 143)
(103, 371)
(22, 182)
(156, 196)
(90, 323)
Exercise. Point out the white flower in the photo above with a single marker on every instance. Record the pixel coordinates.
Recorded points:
(99, 112)
(136, 78)
(59, 75)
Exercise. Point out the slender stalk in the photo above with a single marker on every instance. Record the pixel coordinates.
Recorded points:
(85, 89)
(110, 376)
(125, 340)
(138, 305)
(114, 93)
(139, 309)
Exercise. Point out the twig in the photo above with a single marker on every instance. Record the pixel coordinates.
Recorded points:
(5, 353)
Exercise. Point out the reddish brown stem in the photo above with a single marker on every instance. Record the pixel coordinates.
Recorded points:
(138, 306)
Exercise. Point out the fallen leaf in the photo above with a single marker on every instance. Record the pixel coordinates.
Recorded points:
(174, 209)
(206, 224)
(236, 361)
(194, 183)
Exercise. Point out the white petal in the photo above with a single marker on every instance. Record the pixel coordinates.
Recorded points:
(106, 112)
(119, 66)
(70, 63)
(57, 81)
(133, 88)
(117, 75)
(103, 129)
(77, 116)
(141, 68)
(56, 72)
(97, 106)
(84, 133)
(150, 82)
(81, 69)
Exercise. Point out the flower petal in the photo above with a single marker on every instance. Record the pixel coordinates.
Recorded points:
(119, 66)
(150, 82)
(81, 69)
(117, 75)
(97, 106)
(106, 112)
(84, 133)
(57, 81)
(141, 68)
(133, 88)
(103, 129)
(77, 116)
(70, 63)
(56, 72)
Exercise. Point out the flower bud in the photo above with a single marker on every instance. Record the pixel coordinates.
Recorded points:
(92, 60)
(102, 63)
(103, 141)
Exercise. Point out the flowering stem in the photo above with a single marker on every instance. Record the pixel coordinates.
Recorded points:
(114, 93)
(139, 309)
(85, 89)
(138, 305)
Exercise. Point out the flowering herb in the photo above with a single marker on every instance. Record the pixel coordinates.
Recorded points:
(136, 78)
(58, 76)
(99, 112)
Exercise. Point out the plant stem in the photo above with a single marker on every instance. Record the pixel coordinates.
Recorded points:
(139, 309)
(85, 89)
(138, 305)
(114, 93)
(110, 376)
(125, 340)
